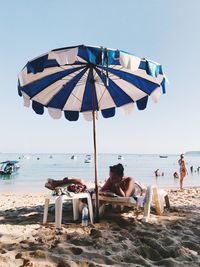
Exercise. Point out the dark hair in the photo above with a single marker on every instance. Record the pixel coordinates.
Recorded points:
(117, 169)
(182, 155)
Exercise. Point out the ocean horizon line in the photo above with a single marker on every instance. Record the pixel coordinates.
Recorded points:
(82, 153)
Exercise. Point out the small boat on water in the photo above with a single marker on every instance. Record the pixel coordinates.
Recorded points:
(163, 156)
(8, 167)
(88, 159)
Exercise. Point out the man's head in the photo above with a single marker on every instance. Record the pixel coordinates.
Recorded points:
(182, 156)
(117, 170)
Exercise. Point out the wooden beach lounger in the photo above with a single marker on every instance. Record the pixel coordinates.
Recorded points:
(153, 195)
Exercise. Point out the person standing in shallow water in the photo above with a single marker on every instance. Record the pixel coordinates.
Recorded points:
(183, 170)
(191, 169)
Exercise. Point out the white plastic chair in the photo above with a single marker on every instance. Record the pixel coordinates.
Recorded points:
(58, 200)
(160, 198)
(157, 196)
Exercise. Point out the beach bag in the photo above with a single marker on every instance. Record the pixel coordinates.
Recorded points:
(76, 188)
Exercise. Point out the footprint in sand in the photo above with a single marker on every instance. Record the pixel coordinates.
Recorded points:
(38, 254)
(155, 247)
(168, 241)
(2, 251)
(196, 231)
(191, 245)
(169, 262)
(94, 233)
(76, 250)
(148, 253)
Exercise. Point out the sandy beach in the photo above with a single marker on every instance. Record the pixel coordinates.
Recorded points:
(120, 239)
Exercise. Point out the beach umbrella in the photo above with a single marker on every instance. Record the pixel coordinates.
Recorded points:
(87, 79)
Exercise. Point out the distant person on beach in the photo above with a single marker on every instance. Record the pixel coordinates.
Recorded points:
(176, 175)
(120, 185)
(198, 168)
(191, 169)
(183, 170)
(157, 173)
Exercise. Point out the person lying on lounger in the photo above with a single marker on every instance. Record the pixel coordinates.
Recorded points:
(120, 185)
(73, 184)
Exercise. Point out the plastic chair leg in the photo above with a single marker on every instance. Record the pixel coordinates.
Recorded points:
(102, 209)
(58, 211)
(46, 207)
(90, 208)
(167, 201)
(147, 205)
(75, 208)
(158, 200)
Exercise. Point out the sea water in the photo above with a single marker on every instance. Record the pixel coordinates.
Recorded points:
(35, 169)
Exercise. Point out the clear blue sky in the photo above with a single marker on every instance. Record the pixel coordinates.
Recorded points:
(164, 31)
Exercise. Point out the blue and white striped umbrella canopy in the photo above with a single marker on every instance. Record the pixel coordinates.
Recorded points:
(83, 79)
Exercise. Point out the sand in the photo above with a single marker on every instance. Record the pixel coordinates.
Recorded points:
(120, 239)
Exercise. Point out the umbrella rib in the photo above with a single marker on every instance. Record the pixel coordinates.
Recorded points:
(76, 97)
(138, 77)
(117, 86)
(110, 75)
(62, 69)
(83, 79)
(102, 95)
(71, 76)
(104, 87)
(74, 64)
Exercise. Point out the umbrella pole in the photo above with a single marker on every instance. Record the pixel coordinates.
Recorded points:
(95, 153)
(96, 167)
